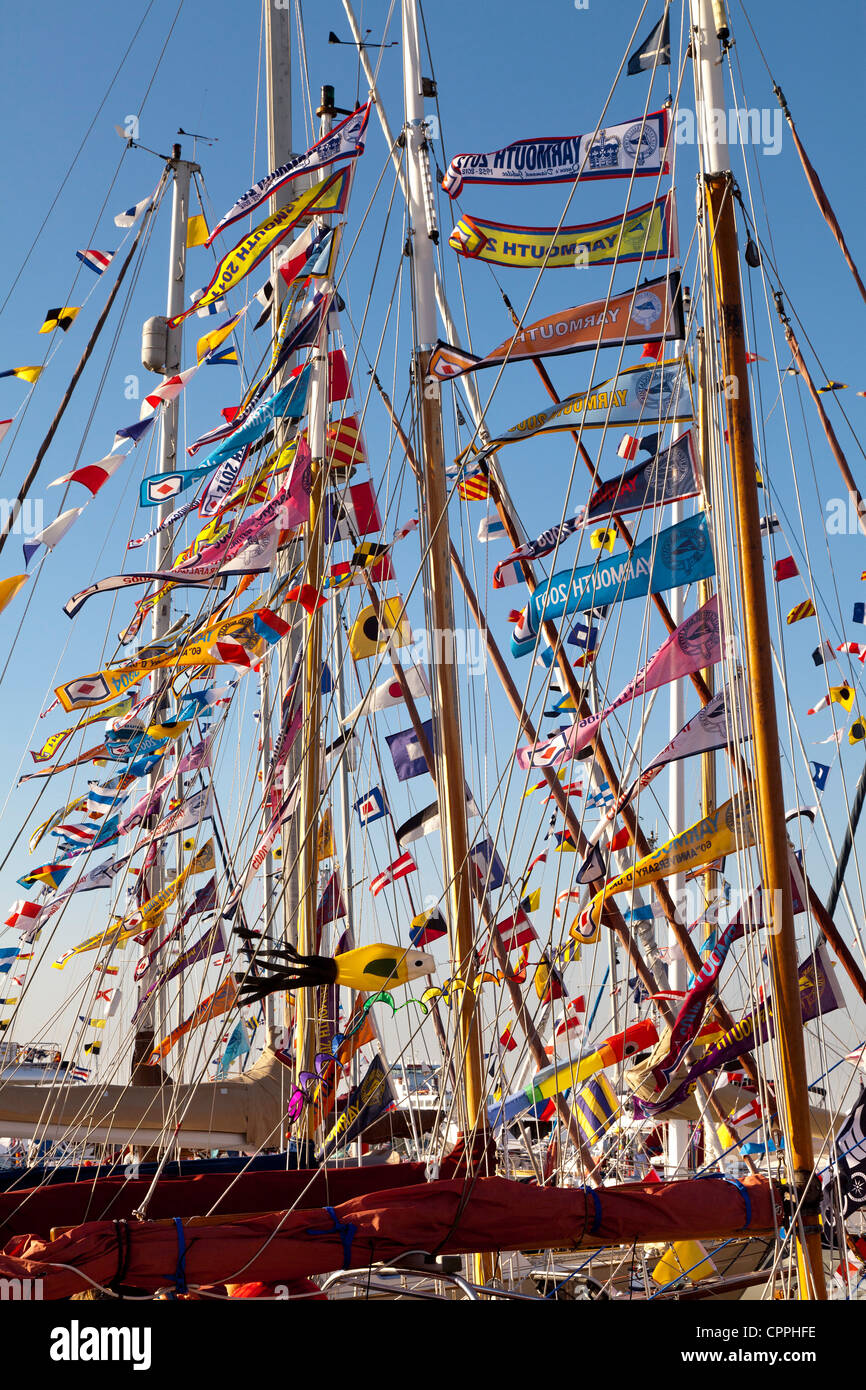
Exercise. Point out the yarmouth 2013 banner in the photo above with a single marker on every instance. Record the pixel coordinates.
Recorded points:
(644, 233)
(616, 151)
(679, 555)
(643, 395)
(648, 313)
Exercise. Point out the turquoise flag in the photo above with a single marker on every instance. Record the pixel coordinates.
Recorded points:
(678, 555)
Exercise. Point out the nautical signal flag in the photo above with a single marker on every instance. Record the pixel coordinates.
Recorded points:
(475, 488)
(92, 475)
(196, 231)
(97, 261)
(602, 539)
(595, 1106)
(131, 215)
(860, 612)
(838, 695)
(821, 655)
(628, 446)
(853, 649)
(488, 865)
(769, 525)
(376, 626)
(857, 732)
(785, 568)
(209, 342)
(427, 926)
(60, 318)
(531, 902)
(806, 609)
(820, 773)
(833, 386)
(270, 625)
(516, 930)
(352, 513)
(30, 374)
(399, 869)
(5, 426)
(409, 761)
(371, 807)
(345, 447)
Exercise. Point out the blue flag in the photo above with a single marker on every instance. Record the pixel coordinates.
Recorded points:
(679, 555)
(238, 1045)
(409, 761)
(820, 773)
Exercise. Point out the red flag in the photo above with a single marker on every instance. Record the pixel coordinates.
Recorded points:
(785, 568)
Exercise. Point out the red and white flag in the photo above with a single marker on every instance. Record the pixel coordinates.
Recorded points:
(853, 649)
(628, 446)
(516, 931)
(23, 914)
(399, 869)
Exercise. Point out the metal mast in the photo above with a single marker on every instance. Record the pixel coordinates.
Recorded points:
(161, 617)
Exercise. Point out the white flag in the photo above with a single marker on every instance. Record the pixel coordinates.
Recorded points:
(390, 693)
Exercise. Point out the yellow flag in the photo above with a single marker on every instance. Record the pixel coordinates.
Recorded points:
(59, 318)
(325, 838)
(30, 374)
(9, 588)
(208, 341)
(727, 829)
(857, 732)
(375, 627)
(196, 231)
(602, 539)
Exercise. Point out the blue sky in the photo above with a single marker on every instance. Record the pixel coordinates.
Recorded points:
(501, 76)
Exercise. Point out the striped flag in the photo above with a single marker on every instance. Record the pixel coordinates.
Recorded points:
(853, 649)
(344, 443)
(806, 609)
(474, 489)
(595, 1106)
(97, 261)
(516, 931)
(399, 869)
(628, 446)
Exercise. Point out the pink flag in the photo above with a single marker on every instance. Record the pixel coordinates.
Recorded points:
(696, 643)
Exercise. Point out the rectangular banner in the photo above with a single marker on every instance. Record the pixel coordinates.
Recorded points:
(642, 234)
(648, 394)
(678, 555)
(647, 313)
(617, 151)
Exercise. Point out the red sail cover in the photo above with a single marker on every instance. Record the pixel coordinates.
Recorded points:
(37, 1210)
(452, 1217)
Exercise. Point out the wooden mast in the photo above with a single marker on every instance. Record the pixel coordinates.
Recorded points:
(769, 798)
